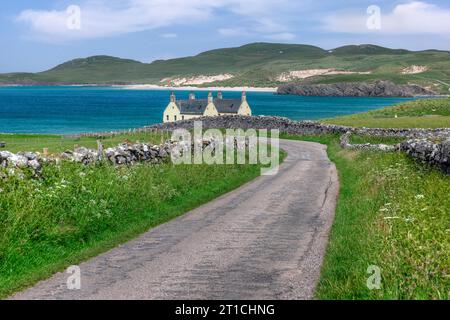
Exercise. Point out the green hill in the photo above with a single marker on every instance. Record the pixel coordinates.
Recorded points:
(103, 69)
(367, 49)
(257, 64)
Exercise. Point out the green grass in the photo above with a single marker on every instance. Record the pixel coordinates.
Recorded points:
(393, 213)
(413, 114)
(60, 143)
(402, 122)
(256, 64)
(74, 212)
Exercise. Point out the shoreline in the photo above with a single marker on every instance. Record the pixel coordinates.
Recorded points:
(193, 88)
(151, 87)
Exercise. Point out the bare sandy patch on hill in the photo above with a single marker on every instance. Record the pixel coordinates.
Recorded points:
(196, 80)
(304, 74)
(414, 69)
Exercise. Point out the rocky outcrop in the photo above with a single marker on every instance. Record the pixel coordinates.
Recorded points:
(355, 89)
(429, 152)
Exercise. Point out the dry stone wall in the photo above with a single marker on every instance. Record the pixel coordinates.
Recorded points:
(423, 144)
(429, 152)
(299, 127)
(428, 145)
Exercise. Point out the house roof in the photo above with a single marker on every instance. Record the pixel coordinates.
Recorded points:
(227, 105)
(197, 107)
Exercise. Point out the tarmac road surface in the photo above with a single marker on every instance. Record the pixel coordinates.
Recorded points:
(264, 240)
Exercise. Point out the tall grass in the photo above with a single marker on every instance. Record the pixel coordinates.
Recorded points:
(74, 212)
(392, 213)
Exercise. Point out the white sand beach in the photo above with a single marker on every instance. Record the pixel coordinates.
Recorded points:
(192, 88)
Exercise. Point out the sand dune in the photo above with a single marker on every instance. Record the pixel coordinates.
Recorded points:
(304, 74)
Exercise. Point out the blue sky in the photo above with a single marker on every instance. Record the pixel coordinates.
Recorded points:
(37, 35)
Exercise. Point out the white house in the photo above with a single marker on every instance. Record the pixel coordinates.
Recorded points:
(211, 107)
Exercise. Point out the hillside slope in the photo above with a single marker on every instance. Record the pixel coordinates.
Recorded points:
(259, 64)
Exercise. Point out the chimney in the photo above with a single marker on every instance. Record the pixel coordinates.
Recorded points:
(172, 97)
(192, 95)
(219, 95)
(210, 98)
(244, 96)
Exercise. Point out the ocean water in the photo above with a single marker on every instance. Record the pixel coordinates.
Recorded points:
(66, 110)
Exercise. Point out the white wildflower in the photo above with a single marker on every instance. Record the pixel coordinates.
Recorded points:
(420, 197)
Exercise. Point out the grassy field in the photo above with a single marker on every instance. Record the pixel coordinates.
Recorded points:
(74, 212)
(60, 143)
(392, 213)
(414, 114)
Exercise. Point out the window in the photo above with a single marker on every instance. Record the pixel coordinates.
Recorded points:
(182, 117)
(175, 118)
(167, 117)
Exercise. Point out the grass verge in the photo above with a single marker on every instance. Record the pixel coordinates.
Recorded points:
(61, 143)
(74, 212)
(392, 213)
(413, 114)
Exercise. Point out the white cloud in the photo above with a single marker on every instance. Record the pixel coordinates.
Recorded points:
(169, 35)
(414, 17)
(101, 18)
(241, 32)
(259, 26)
(234, 32)
(283, 36)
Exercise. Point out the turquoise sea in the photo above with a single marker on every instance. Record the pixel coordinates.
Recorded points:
(67, 110)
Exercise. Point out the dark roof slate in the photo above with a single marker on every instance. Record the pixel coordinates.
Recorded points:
(227, 105)
(197, 107)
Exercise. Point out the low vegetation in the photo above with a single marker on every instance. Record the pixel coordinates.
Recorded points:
(392, 213)
(61, 143)
(413, 114)
(256, 64)
(73, 212)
